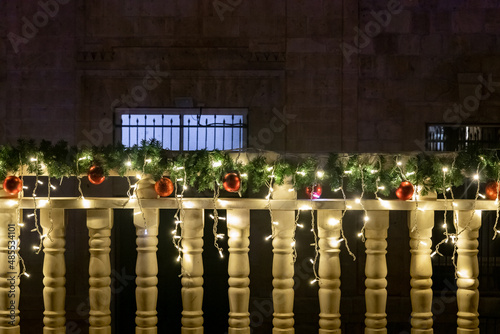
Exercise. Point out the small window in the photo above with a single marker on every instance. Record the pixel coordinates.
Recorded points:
(183, 129)
(445, 137)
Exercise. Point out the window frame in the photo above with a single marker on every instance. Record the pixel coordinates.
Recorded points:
(181, 112)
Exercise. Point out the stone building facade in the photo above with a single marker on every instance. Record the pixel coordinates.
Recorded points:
(343, 75)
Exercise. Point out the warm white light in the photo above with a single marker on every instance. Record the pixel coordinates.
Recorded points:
(269, 169)
(43, 202)
(53, 187)
(26, 274)
(311, 260)
(40, 182)
(301, 173)
(455, 204)
(184, 187)
(445, 170)
(128, 163)
(348, 171)
(423, 243)
(220, 236)
(178, 168)
(147, 161)
(177, 236)
(338, 189)
(373, 171)
(481, 195)
(25, 187)
(269, 237)
(179, 258)
(179, 180)
(357, 200)
(220, 253)
(244, 175)
(33, 159)
(300, 225)
(313, 281)
(478, 212)
(138, 176)
(292, 244)
(36, 247)
(275, 223)
(366, 218)
(320, 174)
(360, 234)
(177, 222)
(476, 176)
(444, 225)
(333, 221)
(381, 188)
(433, 253)
(410, 173)
(400, 163)
(291, 190)
(82, 158)
(305, 208)
(348, 206)
(20, 224)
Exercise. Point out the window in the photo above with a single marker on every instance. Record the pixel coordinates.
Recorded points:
(183, 129)
(445, 137)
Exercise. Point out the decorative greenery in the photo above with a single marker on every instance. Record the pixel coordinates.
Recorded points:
(205, 170)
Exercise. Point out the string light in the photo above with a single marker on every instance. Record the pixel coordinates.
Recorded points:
(320, 174)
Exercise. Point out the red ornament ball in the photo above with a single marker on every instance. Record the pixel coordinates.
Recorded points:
(405, 191)
(164, 187)
(491, 190)
(12, 185)
(232, 182)
(96, 174)
(314, 192)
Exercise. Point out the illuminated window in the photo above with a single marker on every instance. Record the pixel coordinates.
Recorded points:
(183, 129)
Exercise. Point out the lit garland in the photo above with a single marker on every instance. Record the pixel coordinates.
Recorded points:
(377, 174)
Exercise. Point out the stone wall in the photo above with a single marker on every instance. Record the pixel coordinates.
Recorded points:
(349, 76)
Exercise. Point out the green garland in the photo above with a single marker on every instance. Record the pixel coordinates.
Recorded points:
(205, 170)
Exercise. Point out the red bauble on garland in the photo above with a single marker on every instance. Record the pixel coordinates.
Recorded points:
(491, 190)
(232, 182)
(164, 187)
(405, 191)
(96, 174)
(12, 185)
(314, 192)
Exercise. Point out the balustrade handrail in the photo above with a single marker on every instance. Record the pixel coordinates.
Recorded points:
(247, 203)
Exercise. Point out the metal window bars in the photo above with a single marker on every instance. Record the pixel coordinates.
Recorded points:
(183, 132)
(451, 137)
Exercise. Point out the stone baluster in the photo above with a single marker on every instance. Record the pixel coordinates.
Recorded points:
(192, 280)
(468, 271)
(54, 271)
(238, 223)
(329, 271)
(420, 224)
(376, 272)
(283, 271)
(146, 269)
(99, 223)
(9, 271)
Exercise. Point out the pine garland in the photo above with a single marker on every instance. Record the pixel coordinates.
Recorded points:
(205, 170)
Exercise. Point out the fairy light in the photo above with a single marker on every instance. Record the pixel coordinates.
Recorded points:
(476, 177)
(366, 218)
(268, 237)
(348, 172)
(482, 196)
(399, 163)
(301, 173)
(381, 188)
(300, 225)
(270, 168)
(410, 173)
(148, 161)
(357, 200)
(276, 223)
(374, 171)
(445, 170)
(244, 175)
(320, 174)
(128, 163)
(313, 281)
(40, 182)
